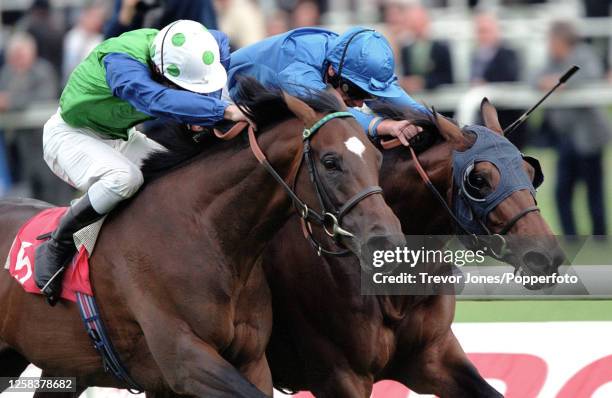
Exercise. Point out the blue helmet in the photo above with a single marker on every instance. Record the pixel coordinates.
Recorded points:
(365, 58)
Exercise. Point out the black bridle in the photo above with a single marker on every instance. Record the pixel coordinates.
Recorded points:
(330, 217)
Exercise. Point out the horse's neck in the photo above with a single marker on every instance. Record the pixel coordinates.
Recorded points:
(408, 195)
(229, 201)
(416, 207)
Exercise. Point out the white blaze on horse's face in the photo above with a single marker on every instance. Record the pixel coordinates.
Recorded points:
(355, 145)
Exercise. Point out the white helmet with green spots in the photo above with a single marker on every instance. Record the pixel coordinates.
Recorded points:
(188, 55)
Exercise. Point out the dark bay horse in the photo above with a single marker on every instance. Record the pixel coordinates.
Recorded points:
(176, 271)
(330, 339)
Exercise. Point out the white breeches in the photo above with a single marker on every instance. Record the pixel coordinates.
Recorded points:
(108, 169)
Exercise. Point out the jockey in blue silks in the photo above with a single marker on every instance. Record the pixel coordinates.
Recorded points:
(358, 65)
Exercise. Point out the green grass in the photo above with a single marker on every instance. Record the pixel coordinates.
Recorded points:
(533, 311)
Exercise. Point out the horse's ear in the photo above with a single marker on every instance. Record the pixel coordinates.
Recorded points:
(489, 115)
(301, 109)
(448, 130)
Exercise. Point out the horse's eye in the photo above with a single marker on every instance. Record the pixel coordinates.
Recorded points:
(330, 162)
(477, 181)
(476, 185)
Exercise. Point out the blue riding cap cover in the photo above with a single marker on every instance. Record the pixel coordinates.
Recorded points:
(368, 63)
(494, 148)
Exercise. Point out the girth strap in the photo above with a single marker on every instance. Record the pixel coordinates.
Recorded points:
(90, 314)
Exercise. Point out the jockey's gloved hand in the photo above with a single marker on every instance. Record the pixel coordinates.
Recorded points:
(403, 130)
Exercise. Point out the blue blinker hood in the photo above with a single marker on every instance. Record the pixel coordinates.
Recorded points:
(471, 212)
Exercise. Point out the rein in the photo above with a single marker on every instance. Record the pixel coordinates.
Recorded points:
(330, 217)
(493, 244)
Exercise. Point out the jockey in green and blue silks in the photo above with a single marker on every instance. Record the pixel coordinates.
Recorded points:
(358, 64)
(174, 74)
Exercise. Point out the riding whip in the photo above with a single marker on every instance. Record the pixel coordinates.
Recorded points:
(566, 76)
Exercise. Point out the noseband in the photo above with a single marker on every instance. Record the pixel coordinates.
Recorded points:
(330, 217)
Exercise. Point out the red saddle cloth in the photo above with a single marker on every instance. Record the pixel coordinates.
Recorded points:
(21, 256)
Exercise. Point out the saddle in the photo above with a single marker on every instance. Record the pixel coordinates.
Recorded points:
(76, 285)
(20, 262)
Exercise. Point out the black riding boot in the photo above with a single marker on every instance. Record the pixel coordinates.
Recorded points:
(53, 255)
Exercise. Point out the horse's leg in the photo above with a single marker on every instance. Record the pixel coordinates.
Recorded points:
(258, 373)
(12, 364)
(444, 369)
(190, 365)
(189, 354)
(252, 329)
(430, 360)
(345, 383)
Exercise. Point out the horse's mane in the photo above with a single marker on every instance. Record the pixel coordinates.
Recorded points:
(266, 107)
(180, 145)
(390, 111)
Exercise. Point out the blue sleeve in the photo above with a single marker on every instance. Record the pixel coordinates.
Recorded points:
(131, 81)
(364, 119)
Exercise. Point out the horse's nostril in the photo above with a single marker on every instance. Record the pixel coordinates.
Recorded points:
(536, 261)
(558, 258)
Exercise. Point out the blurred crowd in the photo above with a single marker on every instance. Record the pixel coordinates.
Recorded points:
(44, 45)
